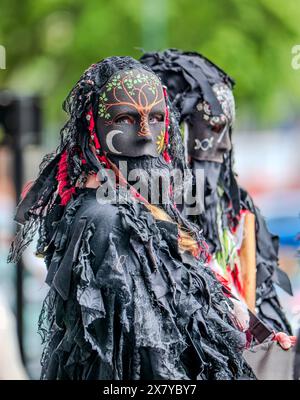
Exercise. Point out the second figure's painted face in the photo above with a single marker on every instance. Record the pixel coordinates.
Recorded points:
(131, 116)
(208, 135)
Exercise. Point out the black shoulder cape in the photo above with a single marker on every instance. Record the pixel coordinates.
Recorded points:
(124, 303)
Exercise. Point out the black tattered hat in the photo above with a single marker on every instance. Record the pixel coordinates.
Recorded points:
(189, 77)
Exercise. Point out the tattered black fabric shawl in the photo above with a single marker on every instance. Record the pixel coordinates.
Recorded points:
(125, 304)
(189, 77)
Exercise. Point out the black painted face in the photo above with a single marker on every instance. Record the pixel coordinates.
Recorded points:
(131, 117)
(209, 136)
(207, 142)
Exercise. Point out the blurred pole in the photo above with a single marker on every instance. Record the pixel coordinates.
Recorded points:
(28, 129)
(21, 119)
(18, 160)
(18, 175)
(154, 24)
(18, 149)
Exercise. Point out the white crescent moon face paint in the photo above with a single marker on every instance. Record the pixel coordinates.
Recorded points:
(109, 141)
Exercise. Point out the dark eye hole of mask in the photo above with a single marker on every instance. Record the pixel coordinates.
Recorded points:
(156, 118)
(218, 128)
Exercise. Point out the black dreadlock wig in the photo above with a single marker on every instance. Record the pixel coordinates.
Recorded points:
(59, 171)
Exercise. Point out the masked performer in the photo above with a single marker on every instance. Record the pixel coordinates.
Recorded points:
(130, 296)
(244, 252)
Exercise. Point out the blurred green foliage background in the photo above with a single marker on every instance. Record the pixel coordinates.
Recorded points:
(49, 43)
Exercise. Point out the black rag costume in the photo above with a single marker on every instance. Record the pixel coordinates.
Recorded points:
(202, 92)
(124, 301)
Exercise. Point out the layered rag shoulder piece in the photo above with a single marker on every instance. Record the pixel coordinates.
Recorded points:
(124, 303)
